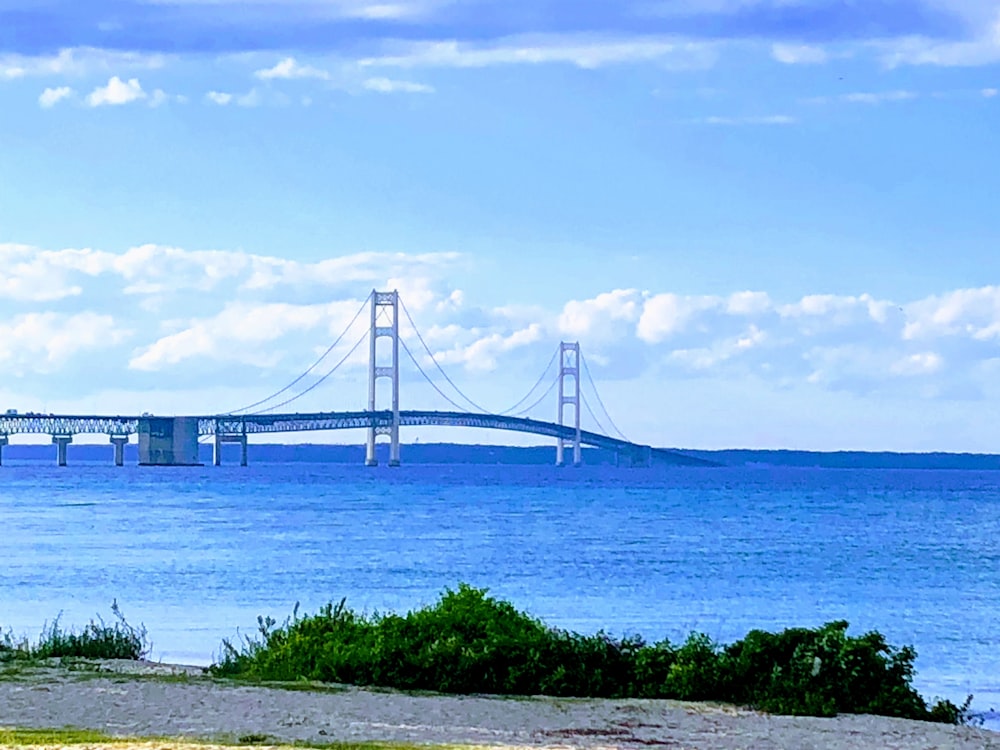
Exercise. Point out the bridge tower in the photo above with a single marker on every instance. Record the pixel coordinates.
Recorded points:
(569, 367)
(384, 304)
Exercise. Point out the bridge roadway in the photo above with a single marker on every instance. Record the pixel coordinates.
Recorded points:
(228, 425)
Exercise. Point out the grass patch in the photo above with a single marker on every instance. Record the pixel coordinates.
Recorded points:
(54, 737)
(469, 642)
(98, 640)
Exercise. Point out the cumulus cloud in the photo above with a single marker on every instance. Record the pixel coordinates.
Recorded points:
(271, 314)
(236, 333)
(44, 342)
(665, 315)
(483, 353)
(32, 274)
(116, 92)
(604, 317)
(963, 313)
(52, 96)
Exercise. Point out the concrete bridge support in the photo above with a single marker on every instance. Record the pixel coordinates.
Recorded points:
(61, 441)
(119, 441)
(220, 439)
(3, 442)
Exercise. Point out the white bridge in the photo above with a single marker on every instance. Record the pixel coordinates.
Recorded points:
(174, 440)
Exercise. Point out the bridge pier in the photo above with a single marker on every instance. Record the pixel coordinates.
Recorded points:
(220, 439)
(119, 441)
(3, 442)
(61, 441)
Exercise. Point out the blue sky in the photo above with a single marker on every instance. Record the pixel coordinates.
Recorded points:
(770, 223)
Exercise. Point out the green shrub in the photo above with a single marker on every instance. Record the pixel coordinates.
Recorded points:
(469, 642)
(97, 640)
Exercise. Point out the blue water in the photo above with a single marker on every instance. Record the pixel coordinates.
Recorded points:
(197, 553)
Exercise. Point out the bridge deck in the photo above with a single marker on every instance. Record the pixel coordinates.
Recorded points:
(61, 424)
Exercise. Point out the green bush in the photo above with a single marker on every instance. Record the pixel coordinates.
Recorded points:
(97, 640)
(469, 642)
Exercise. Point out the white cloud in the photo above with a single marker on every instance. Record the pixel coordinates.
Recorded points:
(288, 69)
(77, 61)
(400, 10)
(219, 97)
(252, 98)
(116, 92)
(967, 313)
(389, 86)
(270, 313)
(236, 333)
(749, 303)
(753, 120)
(270, 272)
(32, 274)
(879, 97)
(983, 49)
(580, 50)
(667, 314)
(52, 96)
(799, 54)
(602, 317)
(482, 354)
(159, 97)
(989, 93)
(43, 342)
(720, 351)
(922, 363)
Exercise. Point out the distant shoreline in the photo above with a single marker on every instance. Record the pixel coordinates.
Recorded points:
(542, 455)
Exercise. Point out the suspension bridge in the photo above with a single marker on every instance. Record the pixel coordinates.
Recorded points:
(174, 441)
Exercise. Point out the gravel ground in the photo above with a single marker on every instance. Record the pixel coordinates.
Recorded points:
(159, 700)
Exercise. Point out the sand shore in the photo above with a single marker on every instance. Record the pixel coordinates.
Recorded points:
(159, 700)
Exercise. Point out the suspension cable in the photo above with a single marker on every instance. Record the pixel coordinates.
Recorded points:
(433, 384)
(313, 367)
(593, 416)
(318, 382)
(597, 393)
(437, 364)
(541, 379)
(540, 399)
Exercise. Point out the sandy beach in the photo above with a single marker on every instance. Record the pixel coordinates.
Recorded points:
(153, 700)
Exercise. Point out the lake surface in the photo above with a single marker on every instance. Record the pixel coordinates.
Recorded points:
(195, 554)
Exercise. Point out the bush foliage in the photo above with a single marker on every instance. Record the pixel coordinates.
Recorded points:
(469, 642)
(97, 640)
